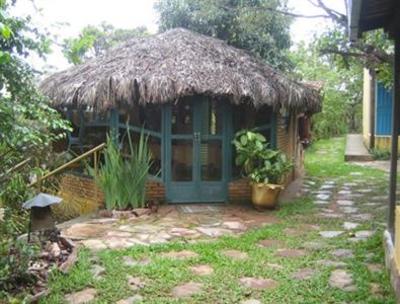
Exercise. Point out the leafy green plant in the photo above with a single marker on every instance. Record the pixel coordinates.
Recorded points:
(123, 181)
(15, 257)
(380, 154)
(260, 163)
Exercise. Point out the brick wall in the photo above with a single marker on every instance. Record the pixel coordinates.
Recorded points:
(239, 190)
(288, 141)
(85, 188)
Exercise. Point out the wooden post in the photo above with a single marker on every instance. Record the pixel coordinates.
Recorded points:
(372, 108)
(395, 138)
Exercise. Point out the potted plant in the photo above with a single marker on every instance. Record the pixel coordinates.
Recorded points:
(264, 167)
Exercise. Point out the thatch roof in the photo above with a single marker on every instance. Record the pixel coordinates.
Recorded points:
(165, 67)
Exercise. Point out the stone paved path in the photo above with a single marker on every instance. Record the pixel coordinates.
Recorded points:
(169, 224)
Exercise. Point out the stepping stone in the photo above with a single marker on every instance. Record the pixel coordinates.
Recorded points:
(303, 274)
(362, 216)
(330, 234)
(180, 255)
(331, 215)
(128, 261)
(318, 202)
(327, 187)
(131, 300)
(271, 243)
(213, 232)
(119, 243)
(187, 290)
(94, 245)
(258, 283)
(97, 271)
(341, 279)
(182, 232)
(364, 190)
(118, 234)
(349, 209)
(234, 225)
(323, 197)
(135, 283)
(375, 267)
(343, 253)
(345, 203)
(251, 301)
(314, 245)
(202, 270)
(235, 254)
(80, 297)
(363, 234)
(329, 263)
(350, 225)
(290, 253)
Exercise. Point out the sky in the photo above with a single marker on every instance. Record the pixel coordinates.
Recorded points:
(65, 18)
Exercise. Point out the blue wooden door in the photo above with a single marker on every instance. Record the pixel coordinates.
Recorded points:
(195, 151)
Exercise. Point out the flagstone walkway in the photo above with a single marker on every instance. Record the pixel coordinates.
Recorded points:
(170, 223)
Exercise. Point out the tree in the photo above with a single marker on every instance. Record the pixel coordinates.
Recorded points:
(373, 50)
(96, 40)
(27, 121)
(253, 25)
(342, 95)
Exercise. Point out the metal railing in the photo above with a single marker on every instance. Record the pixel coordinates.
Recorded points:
(95, 152)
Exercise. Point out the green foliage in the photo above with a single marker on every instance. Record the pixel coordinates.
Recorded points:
(260, 164)
(124, 180)
(28, 125)
(96, 40)
(250, 24)
(12, 196)
(380, 154)
(15, 257)
(342, 91)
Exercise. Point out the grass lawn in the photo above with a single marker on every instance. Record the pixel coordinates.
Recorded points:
(324, 161)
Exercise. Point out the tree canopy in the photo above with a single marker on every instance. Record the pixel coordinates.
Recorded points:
(27, 123)
(93, 41)
(253, 25)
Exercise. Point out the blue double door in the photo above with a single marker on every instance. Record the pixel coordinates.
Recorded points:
(197, 150)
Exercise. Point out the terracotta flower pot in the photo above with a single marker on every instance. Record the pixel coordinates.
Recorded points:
(265, 196)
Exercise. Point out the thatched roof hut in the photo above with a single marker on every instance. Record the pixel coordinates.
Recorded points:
(164, 67)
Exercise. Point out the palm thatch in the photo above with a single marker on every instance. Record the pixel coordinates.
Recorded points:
(178, 63)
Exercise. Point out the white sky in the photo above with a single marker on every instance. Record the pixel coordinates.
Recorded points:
(65, 18)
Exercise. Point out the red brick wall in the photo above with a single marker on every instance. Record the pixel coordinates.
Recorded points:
(85, 188)
(239, 190)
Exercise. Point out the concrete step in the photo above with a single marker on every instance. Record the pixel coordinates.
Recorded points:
(355, 149)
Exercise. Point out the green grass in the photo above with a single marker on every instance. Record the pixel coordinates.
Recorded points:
(162, 274)
(325, 158)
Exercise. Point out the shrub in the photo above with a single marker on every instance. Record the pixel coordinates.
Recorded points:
(15, 258)
(11, 199)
